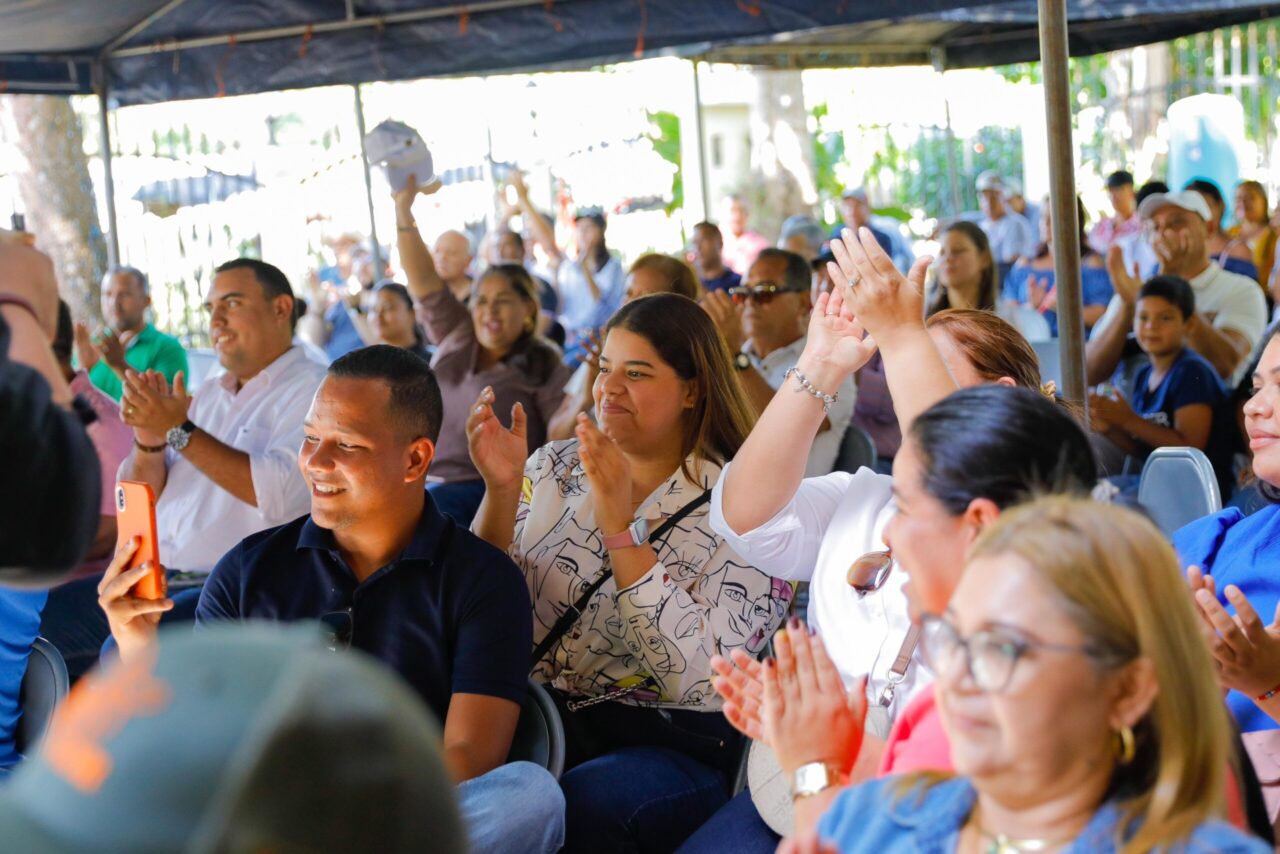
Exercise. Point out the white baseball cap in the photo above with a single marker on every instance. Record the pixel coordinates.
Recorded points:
(1188, 200)
(989, 180)
(400, 151)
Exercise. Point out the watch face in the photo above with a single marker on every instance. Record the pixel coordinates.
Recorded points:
(741, 362)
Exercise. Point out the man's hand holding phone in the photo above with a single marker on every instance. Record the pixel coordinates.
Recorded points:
(133, 620)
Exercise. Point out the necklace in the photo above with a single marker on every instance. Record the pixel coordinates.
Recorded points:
(1001, 844)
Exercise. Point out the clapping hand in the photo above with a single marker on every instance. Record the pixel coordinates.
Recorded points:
(1245, 651)
(1041, 295)
(727, 317)
(151, 407)
(1109, 410)
(28, 273)
(1126, 282)
(881, 298)
(86, 351)
(739, 681)
(499, 454)
(609, 475)
(808, 715)
(111, 349)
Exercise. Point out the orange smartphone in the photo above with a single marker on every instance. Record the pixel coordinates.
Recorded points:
(136, 517)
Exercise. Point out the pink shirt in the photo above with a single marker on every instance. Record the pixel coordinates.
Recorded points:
(112, 440)
(917, 741)
(740, 252)
(1108, 231)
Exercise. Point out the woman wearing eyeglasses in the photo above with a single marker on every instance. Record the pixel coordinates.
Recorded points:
(632, 591)
(963, 461)
(1077, 697)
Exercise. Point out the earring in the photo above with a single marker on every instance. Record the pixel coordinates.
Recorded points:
(1125, 749)
(529, 325)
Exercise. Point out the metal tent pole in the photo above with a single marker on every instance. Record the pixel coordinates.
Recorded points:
(378, 262)
(704, 189)
(939, 57)
(109, 183)
(1062, 195)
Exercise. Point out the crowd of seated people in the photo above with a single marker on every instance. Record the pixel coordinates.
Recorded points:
(988, 657)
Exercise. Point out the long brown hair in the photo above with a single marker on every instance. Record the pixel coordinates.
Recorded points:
(680, 276)
(531, 354)
(1117, 578)
(689, 342)
(989, 290)
(993, 345)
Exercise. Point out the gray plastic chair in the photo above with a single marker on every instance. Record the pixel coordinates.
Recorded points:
(1178, 486)
(856, 450)
(43, 687)
(1049, 355)
(539, 735)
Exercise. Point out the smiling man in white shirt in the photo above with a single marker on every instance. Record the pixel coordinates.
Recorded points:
(222, 463)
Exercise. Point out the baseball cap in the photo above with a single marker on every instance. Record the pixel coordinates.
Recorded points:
(237, 738)
(400, 151)
(859, 193)
(1188, 200)
(989, 180)
(1012, 187)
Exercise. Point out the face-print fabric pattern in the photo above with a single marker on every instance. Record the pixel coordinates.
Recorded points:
(700, 599)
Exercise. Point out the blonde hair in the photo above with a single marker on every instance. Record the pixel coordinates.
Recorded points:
(1119, 581)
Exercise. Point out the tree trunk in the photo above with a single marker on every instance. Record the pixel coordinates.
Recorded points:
(58, 196)
(781, 151)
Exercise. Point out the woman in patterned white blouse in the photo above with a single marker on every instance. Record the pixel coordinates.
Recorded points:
(624, 504)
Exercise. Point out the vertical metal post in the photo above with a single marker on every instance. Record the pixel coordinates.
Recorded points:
(109, 181)
(939, 56)
(1062, 195)
(704, 190)
(378, 262)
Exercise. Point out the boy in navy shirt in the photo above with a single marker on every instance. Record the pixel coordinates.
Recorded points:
(1176, 395)
(385, 572)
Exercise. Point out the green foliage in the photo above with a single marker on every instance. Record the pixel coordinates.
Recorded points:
(922, 180)
(664, 136)
(828, 152)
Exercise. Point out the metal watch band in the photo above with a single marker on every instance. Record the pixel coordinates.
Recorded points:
(811, 778)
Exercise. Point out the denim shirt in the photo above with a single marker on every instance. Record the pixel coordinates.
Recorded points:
(874, 818)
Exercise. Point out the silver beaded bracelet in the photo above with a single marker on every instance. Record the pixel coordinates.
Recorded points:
(805, 385)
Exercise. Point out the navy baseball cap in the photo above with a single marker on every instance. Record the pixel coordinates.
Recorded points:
(236, 738)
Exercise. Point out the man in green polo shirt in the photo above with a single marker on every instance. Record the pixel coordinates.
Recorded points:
(128, 341)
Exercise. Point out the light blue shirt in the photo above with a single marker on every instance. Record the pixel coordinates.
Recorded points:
(875, 819)
(1011, 236)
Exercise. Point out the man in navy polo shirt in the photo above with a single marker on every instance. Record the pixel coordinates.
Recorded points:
(387, 573)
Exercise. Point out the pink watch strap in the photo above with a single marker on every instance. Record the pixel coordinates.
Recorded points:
(621, 540)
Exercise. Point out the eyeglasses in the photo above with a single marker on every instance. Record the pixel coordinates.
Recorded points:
(868, 573)
(761, 294)
(337, 628)
(989, 655)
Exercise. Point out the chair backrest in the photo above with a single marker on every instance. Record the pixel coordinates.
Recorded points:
(539, 734)
(1049, 354)
(1178, 486)
(43, 687)
(856, 450)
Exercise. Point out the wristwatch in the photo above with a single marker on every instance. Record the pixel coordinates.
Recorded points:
(742, 361)
(636, 534)
(811, 778)
(178, 437)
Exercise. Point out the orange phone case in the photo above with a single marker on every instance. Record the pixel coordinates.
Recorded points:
(136, 517)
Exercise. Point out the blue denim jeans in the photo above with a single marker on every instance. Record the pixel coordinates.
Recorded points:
(514, 809)
(737, 827)
(460, 500)
(638, 799)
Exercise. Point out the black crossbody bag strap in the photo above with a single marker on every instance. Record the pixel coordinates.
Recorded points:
(571, 616)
